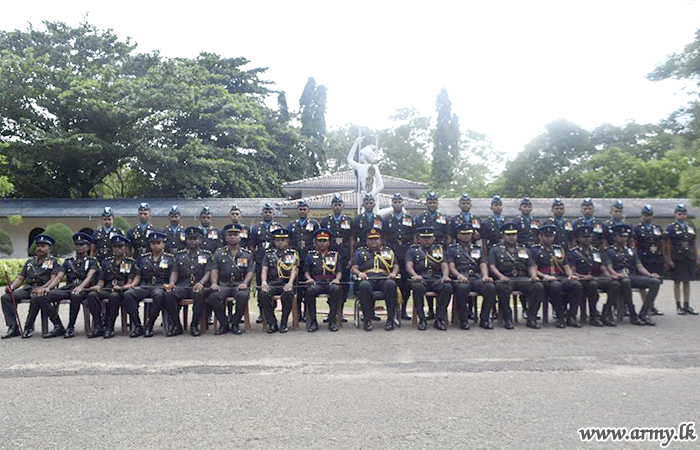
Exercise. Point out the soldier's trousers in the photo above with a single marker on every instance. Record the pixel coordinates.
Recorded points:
(443, 290)
(335, 296)
(562, 293)
(591, 293)
(534, 290)
(268, 303)
(114, 301)
(216, 299)
(639, 282)
(58, 294)
(364, 294)
(461, 293)
(172, 303)
(36, 303)
(133, 296)
(404, 284)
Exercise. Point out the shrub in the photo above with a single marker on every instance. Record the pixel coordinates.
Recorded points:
(64, 240)
(6, 247)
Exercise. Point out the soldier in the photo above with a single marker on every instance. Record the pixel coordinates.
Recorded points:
(465, 216)
(590, 265)
(681, 258)
(367, 220)
(212, 238)
(427, 266)
(189, 276)
(616, 218)
(301, 232)
(491, 227)
(561, 285)
(342, 241)
(433, 219)
(280, 267)
(81, 274)
(175, 233)
(116, 275)
(527, 226)
(399, 236)
(101, 247)
(514, 269)
(232, 270)
(649, 242)
(151, 281)
(322, 274)
(33, 284)
(468, 267)
(587, 218)
(261, 241)
(565, 229)
(626, 267)
(376, 269)
(139, 234)
(235, 214)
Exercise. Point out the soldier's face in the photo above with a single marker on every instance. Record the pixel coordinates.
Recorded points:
(621, 239)
(397, 205)
(526, 209)
(585, 241)
(157, 246)
(174, 219)
(233, 238)
(303, 212)
(647, 218)
(322, 244)
(144, 216)
(281, 243)
(465, 205)
(118, 250)
(510, 238)
(369, 205)
(337, 207)
(42, 249)
(681, 216)
(432, 204)
(464, 238)
(108, 221)
(558, 210)
(546, 239)
(587, 211)
(373, 243)
(497, 208)
(81, 249)
(193, 242)
(426, 241)
(267, 215)
(205, 219)
(235, 216)
(616, 213)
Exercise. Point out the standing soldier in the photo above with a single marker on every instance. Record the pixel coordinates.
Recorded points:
(261, 237)
(564, 228)
(322, 275)
(649, 242)
(101, 247)
(491, 227)
(587, 218)
(138, 235)
(427, 266)
(681, 257)
(37, 274)
(280, 267)
(527, 226)
(81, 274)
(367, 220)
(399, 236)
(211, 239)
(342, 241)
(465, 216)
(175, 233)
(116, 276)
(235, 214)
(431, 218)
(232, 270)
(301, 232)
(616, 218)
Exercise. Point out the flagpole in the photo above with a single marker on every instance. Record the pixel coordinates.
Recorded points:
(359, 186)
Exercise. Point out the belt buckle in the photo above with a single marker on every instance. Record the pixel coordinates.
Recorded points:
(153, 281)
(515, 272)
(192, 279)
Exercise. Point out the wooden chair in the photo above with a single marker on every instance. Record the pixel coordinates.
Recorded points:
(357, 310)
(86, 315)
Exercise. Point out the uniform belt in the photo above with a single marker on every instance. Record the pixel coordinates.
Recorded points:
(685, 245)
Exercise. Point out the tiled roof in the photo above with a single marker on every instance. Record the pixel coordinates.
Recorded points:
(347, 180)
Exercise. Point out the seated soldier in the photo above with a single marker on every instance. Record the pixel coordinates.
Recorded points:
(232, 269)
(561, 285)
(33, 284)
(590, 265)
(116, 276)
(151, 281)
(190, 275)
(468, 268)
(376, 269)
(280, 266)
(322, 273)
(626, 267)
(429, 272)
(81, 274)
(514, 269)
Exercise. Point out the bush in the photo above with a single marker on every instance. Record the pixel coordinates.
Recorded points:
(122, 223)
(6, 247)
(13, 267)
(64, 240)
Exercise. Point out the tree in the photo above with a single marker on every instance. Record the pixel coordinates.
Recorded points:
(312, 111)
(6, 247)
(404, 148)
(64, 240)
(282, 107)
(477, 166)
(446, 140)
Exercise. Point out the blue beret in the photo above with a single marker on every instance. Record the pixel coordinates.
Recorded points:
(174, 210)
(587, 202)
(397, 196)
(337, 198)
(144, 207)
(648, 210)
(496, 200)
(525, 201)
(432, 196)
(557, 202)
(205, 210)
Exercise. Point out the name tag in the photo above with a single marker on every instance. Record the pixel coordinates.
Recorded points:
(266, 244)
(597, 228)
(87, 264)
(568, 226)
(476, 253)
(597, 258)
(242, 262)
(522, 253)
(202, 259)
(345, 225)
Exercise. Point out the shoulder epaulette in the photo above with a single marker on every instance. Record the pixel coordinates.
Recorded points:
(184, 250)
(204, 250)
(168, 254)
(453, 245)
(147, 254)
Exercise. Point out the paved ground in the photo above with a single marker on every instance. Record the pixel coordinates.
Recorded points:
(352, 389)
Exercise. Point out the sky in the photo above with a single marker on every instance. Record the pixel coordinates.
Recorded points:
(509, 67)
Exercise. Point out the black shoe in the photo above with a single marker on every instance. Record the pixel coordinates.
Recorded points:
(313, 327)
(681, 311)
(367, 326)
(646, 320)
(595, 322)
(283, 328)
(177, 331)
(389, 325)
(508, 324)
(656, 312)
(194, 330)
(138, 331)
(70, 333)
(486, 324)
(532, 324)
(272, 328)
(333, 325)
(302, 318)
(626, 311)
(210, 320)
(470, 316)
(241, 321)
(422, 324)
(343, 319)
(573, 323)
(222, 330)
(690, 311)
(430, 316)
(636, 321)
(325, 319)
(464, 325)
(236, 329)
(560, 322)
(405, 316)
(148, 332)
(609, 321)
(13, 331)
(440, 325)
(376, 318)
(109, 333)
(494, 315)
(99, 331)
(259, 319)
(27, 333)
(56, 332)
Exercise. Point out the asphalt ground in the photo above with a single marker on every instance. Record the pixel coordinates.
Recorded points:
(352, 389)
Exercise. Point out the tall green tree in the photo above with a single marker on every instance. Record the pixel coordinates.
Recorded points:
(312, 111)
(446, 141)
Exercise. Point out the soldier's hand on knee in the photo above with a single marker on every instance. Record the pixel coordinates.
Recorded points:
(95, 288)
(168, 287)
(215, 287)
(77, 291)
(197, 287)
(241, 287)
(417, 278)
(265, 287)
(536, 278)
(487, 279)
(288, 287)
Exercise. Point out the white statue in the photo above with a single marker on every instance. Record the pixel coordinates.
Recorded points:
(370, 179)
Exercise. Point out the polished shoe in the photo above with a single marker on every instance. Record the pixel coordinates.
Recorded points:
(595, 322)
(283, 328)
(508, 324)
(70, 333)
(138, 331)
(656, 312)
(313, 327)
(367, 326)
(494, 315)
(236, 329)
(97, 332)
(464, 325)
(626, 311)
(325, 319)
(430, 316)
(608, 321)
(222, 330)
(681, 311)
(405, 316)
(272, 328)
(690, 310)
(343, 319)
(241, 321)
(194, 330)
(439, 324)
(560, 323)
(210, 320)
(27, 333)
(376, 318)
(259, 319)
(56, 332)
(470, 316)
(176, 331)
(389, 325)
(422, 324)
(532, 324)
(646, 320)
(109, 333)
(333, 325)
(13, 331)
(636, 321)
(302, 318)
(486, 324)
(573, 323)
(148, 332)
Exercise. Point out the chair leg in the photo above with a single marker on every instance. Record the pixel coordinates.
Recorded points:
(454, 311)
(185, 310)
(515, 308)
(295, 313)
(86, 318)
(203, 322)
(246, 319)
(125, 326)
(414, 319)
(545, 311)
(44, 323)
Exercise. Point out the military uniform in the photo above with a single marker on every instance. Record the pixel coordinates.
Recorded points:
(102, 240)
(427, 262)
(464, 218)
(301, 238)
(175, 239)
(139, 240)
(598, 239)
(398, 234)
(342, 232)
(364, 222)
(212, 240)
(76, 271)
(562, 292)
(323, 269)
(467, 261)
(527, 230)
(232, 270)
(491, 231)
(261, 241)
(279, 269)
(607, 233)
(564, 232)
(438, 222)
(112, 273)
(649, 240)
(683, 253)
(191, 269)
(589, 261)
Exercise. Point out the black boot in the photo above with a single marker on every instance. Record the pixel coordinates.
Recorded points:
(27, 333)
(57, 331)
(13, 331)
(333, 324)
(138, 331)
(194, 330)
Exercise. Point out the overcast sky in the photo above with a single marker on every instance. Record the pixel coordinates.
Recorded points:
(509, 67)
